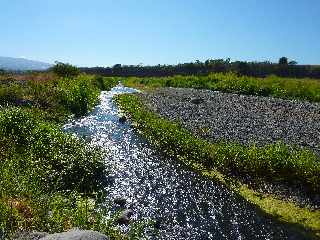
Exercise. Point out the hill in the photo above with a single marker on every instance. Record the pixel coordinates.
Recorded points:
(22, 64)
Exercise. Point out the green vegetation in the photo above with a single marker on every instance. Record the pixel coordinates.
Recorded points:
(49, 180)
(275, 161)
(105, 83)
(59, 97)
(272, 162)
(283, 68)
(303, 89)
(42, 170)
(65, 70)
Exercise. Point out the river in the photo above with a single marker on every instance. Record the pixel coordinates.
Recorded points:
(184, 204)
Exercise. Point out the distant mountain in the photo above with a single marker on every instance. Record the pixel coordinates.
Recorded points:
(22, 64)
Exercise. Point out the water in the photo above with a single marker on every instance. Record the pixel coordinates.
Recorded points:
(184, 205)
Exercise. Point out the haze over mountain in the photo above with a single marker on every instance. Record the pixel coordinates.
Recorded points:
(22, 64)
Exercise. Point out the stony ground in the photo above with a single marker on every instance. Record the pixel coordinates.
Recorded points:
(244, 119)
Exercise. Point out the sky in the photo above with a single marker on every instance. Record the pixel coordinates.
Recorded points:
(150, 32)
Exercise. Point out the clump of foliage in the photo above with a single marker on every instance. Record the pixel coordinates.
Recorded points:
(77, 95)
(2, 72)
(275, 162)
(10, 93)
(303, 89)
(59, 161)
(105, 83)
(40, 166)
(59, 97)
(65, 70)
(54, 212)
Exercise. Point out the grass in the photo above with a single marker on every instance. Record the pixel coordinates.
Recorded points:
(272, 162)
(49, 180)
(287, 88)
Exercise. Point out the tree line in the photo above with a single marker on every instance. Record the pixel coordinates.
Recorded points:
(284, 68)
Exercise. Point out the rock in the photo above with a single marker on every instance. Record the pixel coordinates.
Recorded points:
(71, 235)
(110, 179)
(157, 224)
(120, 201)
(125, 217)
(122, 119)
(76, 235)
(24, 102)
(30, 236)
(196, 100)
(87, 138)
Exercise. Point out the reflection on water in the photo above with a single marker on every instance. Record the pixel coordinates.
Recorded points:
(185, 205)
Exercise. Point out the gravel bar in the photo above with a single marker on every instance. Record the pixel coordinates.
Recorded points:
(245, 119)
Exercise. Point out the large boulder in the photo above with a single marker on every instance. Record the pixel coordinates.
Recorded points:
(30, 235)
(125, 217)
(122, 119)
(120, 202)
(197, 100)
(71, 235)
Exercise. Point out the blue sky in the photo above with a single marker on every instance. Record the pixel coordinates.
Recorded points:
(106, 32)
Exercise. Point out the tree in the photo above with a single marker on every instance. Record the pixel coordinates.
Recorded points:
(243, 68)
(283, 61)
(65, 70)
(293, 62)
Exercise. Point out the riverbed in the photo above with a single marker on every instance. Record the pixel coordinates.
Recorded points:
(183, 204)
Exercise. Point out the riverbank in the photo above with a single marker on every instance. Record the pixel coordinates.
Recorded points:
(50, 181)
(252, 121)
(211, 160)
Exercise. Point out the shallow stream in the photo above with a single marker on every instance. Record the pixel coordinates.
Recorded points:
(184, 205)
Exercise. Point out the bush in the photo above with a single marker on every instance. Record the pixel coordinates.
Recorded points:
(59, 97)
(40, 167)
(10, 93)
(65, 70)
(77, 95)
(60, 161)
(105, 83)
(2, 72)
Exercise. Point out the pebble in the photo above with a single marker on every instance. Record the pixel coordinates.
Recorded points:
(244, 119)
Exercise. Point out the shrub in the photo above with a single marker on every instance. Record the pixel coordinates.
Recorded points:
(65, 70)
(77, 95)
(58, 161)
(10, 93)
(105, 83)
